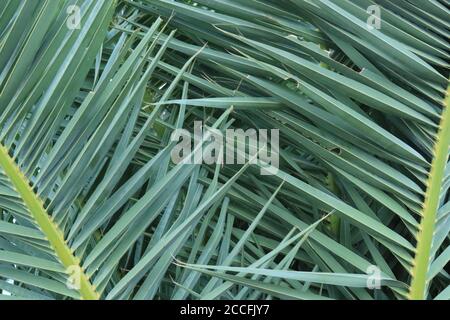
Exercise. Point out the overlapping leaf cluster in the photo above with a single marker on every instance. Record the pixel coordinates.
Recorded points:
(87, 181)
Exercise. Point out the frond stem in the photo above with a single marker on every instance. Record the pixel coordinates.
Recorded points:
(52, 232)
(418, 287)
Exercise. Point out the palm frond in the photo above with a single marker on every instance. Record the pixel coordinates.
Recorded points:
(88, 188)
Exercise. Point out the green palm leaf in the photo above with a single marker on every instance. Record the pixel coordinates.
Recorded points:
(92, 206)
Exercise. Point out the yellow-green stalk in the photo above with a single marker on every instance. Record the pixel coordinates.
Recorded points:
(418, 287)
(52, 232)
